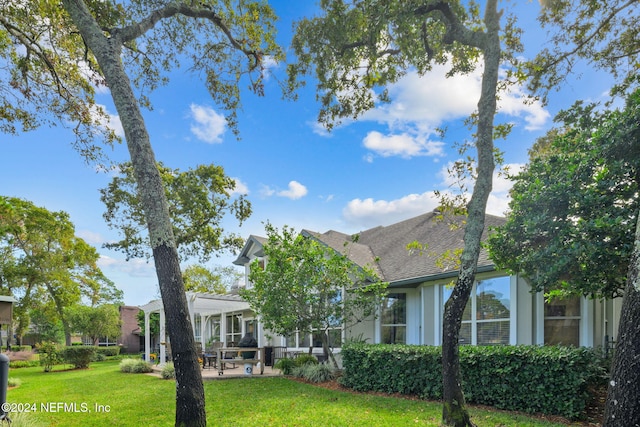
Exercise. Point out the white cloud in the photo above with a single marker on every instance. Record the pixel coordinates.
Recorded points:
(209, 126)
(134, 267)
(403, 145)
(367, 213)
(240, 188)
(294, 192)
(91, 237)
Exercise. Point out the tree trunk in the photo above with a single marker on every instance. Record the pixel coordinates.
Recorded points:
(190, 403)
(623, 399)
(454, 411)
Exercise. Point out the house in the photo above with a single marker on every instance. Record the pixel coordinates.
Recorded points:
(502, 309)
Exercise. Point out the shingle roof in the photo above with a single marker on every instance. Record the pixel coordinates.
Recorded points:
(385, 248)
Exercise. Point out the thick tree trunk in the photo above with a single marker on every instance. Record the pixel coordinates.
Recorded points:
(190, 403)
(454, 411)
(623, 398)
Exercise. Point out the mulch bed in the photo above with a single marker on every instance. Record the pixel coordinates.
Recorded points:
(593, 414)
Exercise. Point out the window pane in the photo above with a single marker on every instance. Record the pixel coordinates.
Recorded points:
(492, 299)
(493, 333)
(562, 331)
(394, 334)
(394, 309)
(465, 334)
(566, 307)
(304, 340)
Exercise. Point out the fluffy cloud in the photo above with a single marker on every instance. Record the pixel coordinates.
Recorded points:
(403, 145)
(295, 191)
(367, 213)
(208, 125)
(240, 188)
(134, 267)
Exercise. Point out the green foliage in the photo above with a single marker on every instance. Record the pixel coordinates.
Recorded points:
(14, 382)
(135, 366)
(17, 348)
(24, 364)
(198, 200)
(168, 371)
(603, 34)
(95, 322)
(314, 372)
(286, 365)
(79, 356)
(549, 380)
(49, 354)
(306, 359)
(219, 280)
(154, 323)
(306, 286)
(574, 206)
(110, 351)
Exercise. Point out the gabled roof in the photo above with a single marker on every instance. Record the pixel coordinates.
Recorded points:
(253, 246)
(384, 248)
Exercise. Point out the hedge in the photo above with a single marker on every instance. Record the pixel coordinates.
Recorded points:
(79, 356)
(533, 379)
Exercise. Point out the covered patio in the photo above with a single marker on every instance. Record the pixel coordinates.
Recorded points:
(215, 318)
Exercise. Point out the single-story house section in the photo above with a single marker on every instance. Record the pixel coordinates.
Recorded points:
(502, 309)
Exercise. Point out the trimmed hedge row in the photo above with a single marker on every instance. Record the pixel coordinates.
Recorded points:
(534, 379)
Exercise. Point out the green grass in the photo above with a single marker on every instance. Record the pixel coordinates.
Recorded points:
(139, 399)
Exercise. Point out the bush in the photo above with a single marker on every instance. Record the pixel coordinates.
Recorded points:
(14, 364)
(135, 366)
(49, 355)
(314, 372)
(79, 356)
(18, 348)
(14, 382)
(110, 351)
(168, 371)
(305, 359)
(285, 365)
(534, 379)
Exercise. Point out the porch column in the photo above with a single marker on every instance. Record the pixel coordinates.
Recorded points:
(163, 338)
(223, 328)
(147, 337)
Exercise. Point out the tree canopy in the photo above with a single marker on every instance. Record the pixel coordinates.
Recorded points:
(217, 280)
(304, 286)
(198, 201)
(46, 263)
(574, 207)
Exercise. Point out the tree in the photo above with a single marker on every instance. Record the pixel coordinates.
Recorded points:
(604, 34)
(359, 46)
(56, 54)
(198, 200)
(95, 322)
(307, 287)
(573, 228)
(198, 278)
(573, 210)
(47, 263)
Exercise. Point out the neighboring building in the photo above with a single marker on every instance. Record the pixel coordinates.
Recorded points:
(502, 309)
(129, 339)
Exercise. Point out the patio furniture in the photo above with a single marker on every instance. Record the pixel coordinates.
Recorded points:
(232, 355)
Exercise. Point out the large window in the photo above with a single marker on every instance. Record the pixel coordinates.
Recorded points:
(234, 331)
(393, 321)
(562, 321)
(486, 318)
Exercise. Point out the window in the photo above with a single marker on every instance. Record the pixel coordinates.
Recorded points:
(562, 321)
(197, 327)
(491, 302)
(393, 324)
(234, 331)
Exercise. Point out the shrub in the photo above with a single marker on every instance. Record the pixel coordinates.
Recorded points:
(14, 382)
(285, 365)
(168, 371)
(18, 348)
(534, 379)
(49, 355)
(316, 372)
(110, 351)
(135, 366)
(15, 364)
(79, 356)
(305, 359)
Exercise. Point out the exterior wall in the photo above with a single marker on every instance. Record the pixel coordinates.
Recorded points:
(525, 313)
(130, 331)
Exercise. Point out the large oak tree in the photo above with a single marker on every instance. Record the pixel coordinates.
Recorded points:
(357, 47)
(55, 55)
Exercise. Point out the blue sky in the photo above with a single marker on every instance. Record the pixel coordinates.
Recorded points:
(381, 169)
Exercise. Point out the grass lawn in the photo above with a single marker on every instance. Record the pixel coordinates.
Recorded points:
(102, 395)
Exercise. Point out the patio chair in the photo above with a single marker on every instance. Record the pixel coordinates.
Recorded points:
(211, 355)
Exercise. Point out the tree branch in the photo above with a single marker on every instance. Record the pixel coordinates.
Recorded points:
(134, 31)
(456, 31)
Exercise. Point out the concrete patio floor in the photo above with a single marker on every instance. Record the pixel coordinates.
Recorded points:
(230, 372)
